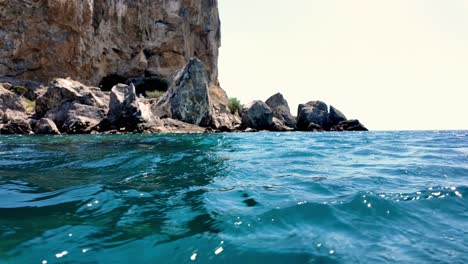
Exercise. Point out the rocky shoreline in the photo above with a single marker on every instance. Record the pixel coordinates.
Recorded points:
(155, 64)
(190, 105)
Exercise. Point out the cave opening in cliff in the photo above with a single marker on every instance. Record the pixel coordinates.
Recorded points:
(110, 81)
(150, 86)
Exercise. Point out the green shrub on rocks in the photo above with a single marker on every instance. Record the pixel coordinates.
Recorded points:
(30, 106)
(19, 89)
(234, 105)
(153, 94)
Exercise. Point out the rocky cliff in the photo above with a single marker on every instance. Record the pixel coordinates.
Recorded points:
(89, 40)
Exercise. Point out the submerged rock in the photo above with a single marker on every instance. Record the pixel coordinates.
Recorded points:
(257, 115)
(281, 110)
(187, 100)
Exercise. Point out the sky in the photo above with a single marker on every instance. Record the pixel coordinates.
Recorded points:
(392, 64)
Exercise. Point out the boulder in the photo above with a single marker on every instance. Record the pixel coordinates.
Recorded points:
(76, 118)
(72, 106)
(16, 126)
(257, 115)
(45, 126)
(350, 125)
(10, 100)
(278, 125)
(221, 117)
(314, 128)
(281, 110)
(336, 116)
(313, 112)
(61, 91)
(170, 125)
(9, 114)
(28, 89)
(187, 99)
(126, 110)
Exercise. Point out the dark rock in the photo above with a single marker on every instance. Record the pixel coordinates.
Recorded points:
(278, 125)
(16, 126)
(126, 110)
(281, 110)
(313, 112)
(76, 118)
(10, 100)
(314, 128)
(45, 126)
(336, 116)
(187, 99)
(250, 130)
(257, 115)
(350, 125)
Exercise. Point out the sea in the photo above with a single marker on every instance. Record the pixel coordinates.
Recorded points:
(298, 197)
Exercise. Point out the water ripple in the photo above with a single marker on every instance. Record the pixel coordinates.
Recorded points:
(373, 197)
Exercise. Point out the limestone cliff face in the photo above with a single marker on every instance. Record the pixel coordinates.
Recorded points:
(90, 39)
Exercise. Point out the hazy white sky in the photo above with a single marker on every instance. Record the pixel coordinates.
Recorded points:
(393, 64)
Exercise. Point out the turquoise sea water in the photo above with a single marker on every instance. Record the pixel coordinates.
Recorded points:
(376, 197)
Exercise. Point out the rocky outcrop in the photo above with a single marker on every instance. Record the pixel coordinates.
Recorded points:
(45, 126)
(313, 112)
(10, 101)
(350, 125)
(336, 116)
(221, 117)
(26, 89)
(16, 126)
(91, 39)
(126, 110)
(187, 100)
(72, 106)
(281, 110)
(278, 125)
(13, 112)
(314, 116)
(257, 115)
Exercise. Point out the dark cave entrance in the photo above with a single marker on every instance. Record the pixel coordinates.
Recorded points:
(148, 86)
(110, 81)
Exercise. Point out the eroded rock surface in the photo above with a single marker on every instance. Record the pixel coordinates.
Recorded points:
(188, 99)
(281, 110)
(72, 106)
(45, 126)
(89, 39)
(126, 111)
